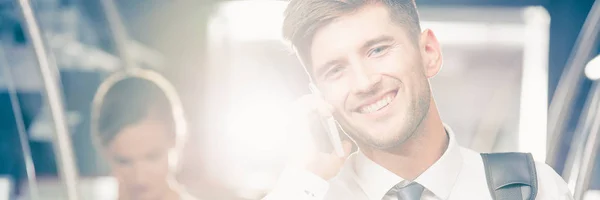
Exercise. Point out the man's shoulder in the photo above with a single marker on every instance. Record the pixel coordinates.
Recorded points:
(545, 171)
(550, 184)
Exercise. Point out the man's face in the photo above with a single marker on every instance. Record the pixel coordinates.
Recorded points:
(372, 72)
(138, 157)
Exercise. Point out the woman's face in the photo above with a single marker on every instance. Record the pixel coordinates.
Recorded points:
(139, 159)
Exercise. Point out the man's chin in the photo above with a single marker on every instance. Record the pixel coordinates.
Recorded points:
(383, 142)
(373, 136)
(384, 145)
(377, 143)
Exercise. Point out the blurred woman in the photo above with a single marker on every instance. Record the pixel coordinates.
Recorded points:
(139, 131)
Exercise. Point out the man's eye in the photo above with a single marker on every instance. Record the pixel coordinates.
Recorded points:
(377, 51)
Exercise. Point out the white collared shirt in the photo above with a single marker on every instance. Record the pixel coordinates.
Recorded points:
(459, 174)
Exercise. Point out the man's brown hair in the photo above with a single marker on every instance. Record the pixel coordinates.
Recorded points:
(304, 17)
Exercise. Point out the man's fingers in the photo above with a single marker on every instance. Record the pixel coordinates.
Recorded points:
(309, 110)
(325, 109)
(347, 146)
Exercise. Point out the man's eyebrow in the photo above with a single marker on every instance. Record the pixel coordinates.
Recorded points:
(374, 41)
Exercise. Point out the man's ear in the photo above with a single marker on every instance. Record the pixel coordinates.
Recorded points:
(431, 53)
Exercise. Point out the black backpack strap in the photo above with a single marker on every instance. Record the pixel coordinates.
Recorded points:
(511, 176)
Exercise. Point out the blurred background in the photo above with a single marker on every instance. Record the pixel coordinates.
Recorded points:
(521, 70)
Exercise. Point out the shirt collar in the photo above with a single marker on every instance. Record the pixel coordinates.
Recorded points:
(439, 178)
(374, 179)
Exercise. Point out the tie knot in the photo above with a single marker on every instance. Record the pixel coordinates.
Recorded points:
(412, 191)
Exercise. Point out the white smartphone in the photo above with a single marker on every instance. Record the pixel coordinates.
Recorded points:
(331, 125)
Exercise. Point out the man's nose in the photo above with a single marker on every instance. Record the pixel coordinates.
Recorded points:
(364, 80)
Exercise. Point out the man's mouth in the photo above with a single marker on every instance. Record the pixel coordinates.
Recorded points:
(379, 104)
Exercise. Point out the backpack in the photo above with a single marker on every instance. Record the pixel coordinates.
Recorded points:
(510, 176)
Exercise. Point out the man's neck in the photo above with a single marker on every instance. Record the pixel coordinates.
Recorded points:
(409, 160)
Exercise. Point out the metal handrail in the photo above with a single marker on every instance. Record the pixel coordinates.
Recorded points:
(574, 158)
(53, 92)
(23, 137)
(119, 33)
(571, 80)
(588, 158)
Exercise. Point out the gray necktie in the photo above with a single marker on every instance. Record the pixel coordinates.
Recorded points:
(412, 191)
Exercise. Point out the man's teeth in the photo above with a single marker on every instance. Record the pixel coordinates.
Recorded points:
(377, 105)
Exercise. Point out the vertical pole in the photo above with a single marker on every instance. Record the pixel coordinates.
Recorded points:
(53, 91)
(23, 138)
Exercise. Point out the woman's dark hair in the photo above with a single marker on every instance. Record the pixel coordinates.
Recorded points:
(129, 101)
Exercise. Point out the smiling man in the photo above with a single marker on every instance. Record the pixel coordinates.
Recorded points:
(372, 63)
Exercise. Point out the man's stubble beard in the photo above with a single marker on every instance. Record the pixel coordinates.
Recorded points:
(419, 110)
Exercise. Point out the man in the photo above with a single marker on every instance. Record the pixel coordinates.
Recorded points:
(137, 131)
(371, 63)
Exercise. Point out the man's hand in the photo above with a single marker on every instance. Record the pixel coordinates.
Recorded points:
(311, 109)
(327, 165)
